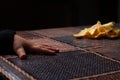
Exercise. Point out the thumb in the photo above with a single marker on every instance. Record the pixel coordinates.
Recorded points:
(21, 53)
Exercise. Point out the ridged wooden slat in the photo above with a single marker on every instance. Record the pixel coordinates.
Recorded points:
(28, 35)
(108, 76)
(57, 32)
(12, 72)
(109, 51)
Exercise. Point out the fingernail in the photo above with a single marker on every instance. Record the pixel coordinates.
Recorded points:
(23, 57)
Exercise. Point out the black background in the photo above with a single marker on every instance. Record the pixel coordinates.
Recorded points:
(32, 14)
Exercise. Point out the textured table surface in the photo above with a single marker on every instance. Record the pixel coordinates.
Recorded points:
(79, 59)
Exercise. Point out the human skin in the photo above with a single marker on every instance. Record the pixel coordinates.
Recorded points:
(21, 45)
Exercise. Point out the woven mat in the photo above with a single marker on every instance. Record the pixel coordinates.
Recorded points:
(72, 63)
(68, 65)
(58, 32)
(29, 35)
(107, 47)
(109, 76)
(109, 51)
(83, 43)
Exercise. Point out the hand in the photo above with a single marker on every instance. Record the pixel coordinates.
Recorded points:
(21, 45)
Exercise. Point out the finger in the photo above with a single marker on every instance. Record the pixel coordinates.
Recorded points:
(48, 51)
(21, 53)
(54, 49)
(43, 49)
(51, 48)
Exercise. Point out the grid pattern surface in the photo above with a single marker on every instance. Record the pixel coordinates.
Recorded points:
(107, 47)
(68, 65)
(84, 43)
(73, 63)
